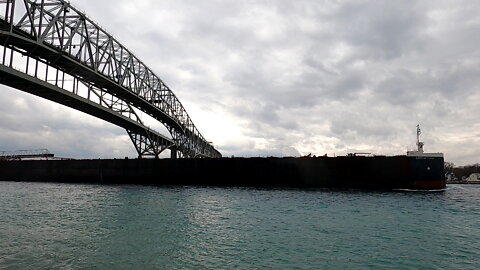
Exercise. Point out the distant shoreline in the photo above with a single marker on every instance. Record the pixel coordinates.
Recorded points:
(466, 183)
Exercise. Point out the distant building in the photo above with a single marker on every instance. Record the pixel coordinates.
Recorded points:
(451, 177)
(474, 177)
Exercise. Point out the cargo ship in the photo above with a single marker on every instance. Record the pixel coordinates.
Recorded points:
(416, 170)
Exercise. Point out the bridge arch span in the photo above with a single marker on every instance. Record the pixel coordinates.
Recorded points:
(51, 49)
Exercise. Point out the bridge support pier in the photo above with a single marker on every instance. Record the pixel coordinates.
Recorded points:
(173, 152)
(148, 146)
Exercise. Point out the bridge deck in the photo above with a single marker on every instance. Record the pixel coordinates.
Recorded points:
(71, 66)
(32, 85)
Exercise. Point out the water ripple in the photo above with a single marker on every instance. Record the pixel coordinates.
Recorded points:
(64, 226)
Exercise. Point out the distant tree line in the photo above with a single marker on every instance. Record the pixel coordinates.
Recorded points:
(462, 171)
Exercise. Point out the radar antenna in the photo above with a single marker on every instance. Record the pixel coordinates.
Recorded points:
(419, 143)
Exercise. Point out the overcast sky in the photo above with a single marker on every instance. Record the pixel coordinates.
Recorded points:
(286, 77)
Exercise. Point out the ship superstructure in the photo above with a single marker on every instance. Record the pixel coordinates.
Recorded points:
(419, 152)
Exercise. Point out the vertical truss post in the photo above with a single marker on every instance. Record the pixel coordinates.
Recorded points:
(173, 152)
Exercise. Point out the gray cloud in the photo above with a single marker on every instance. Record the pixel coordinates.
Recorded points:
(264, 78)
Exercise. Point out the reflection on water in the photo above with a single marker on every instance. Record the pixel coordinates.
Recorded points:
(139, 227)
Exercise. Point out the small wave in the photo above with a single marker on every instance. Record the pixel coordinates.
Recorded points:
(422, 190)
(454, 186)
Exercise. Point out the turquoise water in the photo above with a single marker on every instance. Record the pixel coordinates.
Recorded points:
(65, 226)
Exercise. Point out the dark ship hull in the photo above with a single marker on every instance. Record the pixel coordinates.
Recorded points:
(357, 172)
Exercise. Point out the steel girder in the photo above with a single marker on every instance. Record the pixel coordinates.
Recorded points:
(64, 39)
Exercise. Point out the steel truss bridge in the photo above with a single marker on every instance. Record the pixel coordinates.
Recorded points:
(25, 154)
(52, 50)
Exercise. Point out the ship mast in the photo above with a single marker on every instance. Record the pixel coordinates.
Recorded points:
(419, 152)
(419, 143)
